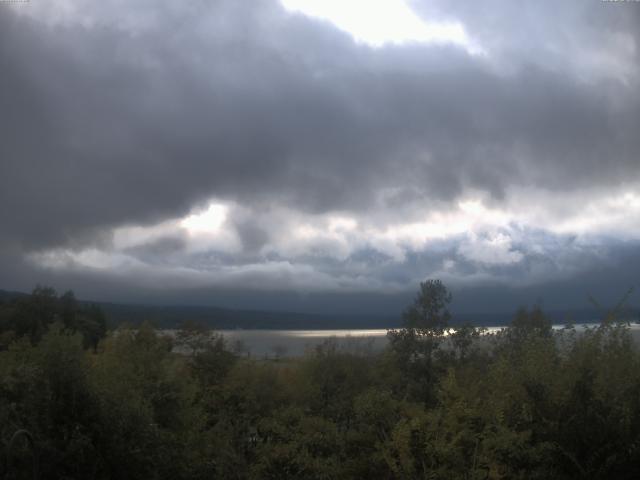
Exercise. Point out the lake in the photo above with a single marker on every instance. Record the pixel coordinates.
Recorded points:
(271, 343)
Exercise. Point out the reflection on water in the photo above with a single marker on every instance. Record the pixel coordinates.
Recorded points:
(295, 342)
(334, 333)
(282, 343)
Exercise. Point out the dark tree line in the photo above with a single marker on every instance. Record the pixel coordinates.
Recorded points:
(527, 402)
(31, 316)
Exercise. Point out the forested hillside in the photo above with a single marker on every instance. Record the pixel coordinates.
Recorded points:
(77, 402)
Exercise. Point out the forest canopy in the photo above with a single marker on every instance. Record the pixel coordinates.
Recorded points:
(80, 402)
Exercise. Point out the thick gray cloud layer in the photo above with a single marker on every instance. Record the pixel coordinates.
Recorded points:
(120, 115)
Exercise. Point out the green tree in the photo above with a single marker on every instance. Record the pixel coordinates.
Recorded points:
(35, 313)
(428, 314)
(413, 347)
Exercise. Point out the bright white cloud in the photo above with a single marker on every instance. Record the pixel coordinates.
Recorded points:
(493, 250)
(91, 258)
(316, 252)
(616, 214)
(382, 21)
(207, 221)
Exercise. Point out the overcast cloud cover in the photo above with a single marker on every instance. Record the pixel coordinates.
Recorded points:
(242, 154)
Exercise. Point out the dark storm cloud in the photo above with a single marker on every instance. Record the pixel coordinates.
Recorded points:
(158, 249)
(253, 228)
(130, 115)
(104, 126)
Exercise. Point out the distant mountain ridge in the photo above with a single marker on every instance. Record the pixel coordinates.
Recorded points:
(6, 295)
(224, 318)
(228, 319)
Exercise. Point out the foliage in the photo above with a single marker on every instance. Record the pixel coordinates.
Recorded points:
(439, 402)
(31, 316)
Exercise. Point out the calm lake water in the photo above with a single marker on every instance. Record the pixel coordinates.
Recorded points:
(271, 343)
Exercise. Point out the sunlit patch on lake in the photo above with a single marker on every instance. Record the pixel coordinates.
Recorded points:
(285, 343)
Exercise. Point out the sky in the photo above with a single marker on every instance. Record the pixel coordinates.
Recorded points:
(321, 156)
